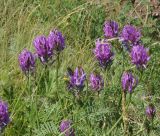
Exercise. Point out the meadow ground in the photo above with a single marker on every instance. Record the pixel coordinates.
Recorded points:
(38, 106)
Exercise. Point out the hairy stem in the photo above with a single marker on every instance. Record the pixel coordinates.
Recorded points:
(31, 104)
(57, 72)
(124, 113)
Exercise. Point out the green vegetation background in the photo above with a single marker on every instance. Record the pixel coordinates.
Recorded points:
(38, 111)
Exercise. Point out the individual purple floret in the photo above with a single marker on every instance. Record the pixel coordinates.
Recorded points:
(96, 82)
(129, 82)
(110, 29)
(103, 52)
(66, 128)
(76, 79)
(56, 40)
(130, 34)
(26, 61)
(150, 111)
(139, 56)
(4, 115)
(43, 49)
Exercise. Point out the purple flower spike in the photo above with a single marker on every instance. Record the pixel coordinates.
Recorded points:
(76, 79)
(65, 127)
(56, 40)
(130, 34)
(139, 56)
(96, 82)
(4, 115)
(129, 82)
(150, 111)
(43, 49)
(103, 52)
(110, 29)
(26, 61)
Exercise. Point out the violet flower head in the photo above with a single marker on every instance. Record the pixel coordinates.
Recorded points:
(96, 82)
(43, 49)
(76, 79)
(129, 82)
(103, 52)
(139, 56)
(130, 34)
(65, 127)
(26, 61)
(150, 111)
(4, 115)
(56, 40)
(110, 29)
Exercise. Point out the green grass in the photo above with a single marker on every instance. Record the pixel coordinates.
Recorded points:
(38, 109)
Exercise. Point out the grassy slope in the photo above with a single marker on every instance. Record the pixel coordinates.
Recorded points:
(39, 111)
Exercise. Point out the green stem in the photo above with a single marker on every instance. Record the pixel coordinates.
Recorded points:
(105, 79)
(57, 72)
(46, 74)
(152, 124)
(130, 97)
(36, 104)
(28, 83)
(114, 125)
(30, 95)
(120, 101)
(124, 113)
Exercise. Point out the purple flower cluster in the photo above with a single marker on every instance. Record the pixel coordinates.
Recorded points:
(56, 40)
(103, 52)
(4, 115)
(45, 48)
(110, 29)
(130, 34)
(150, 111)
(77, 79)
(96, 82)
(139, 56)
(129, 82)
(130, 38)
(26, 61)
(66, 128)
